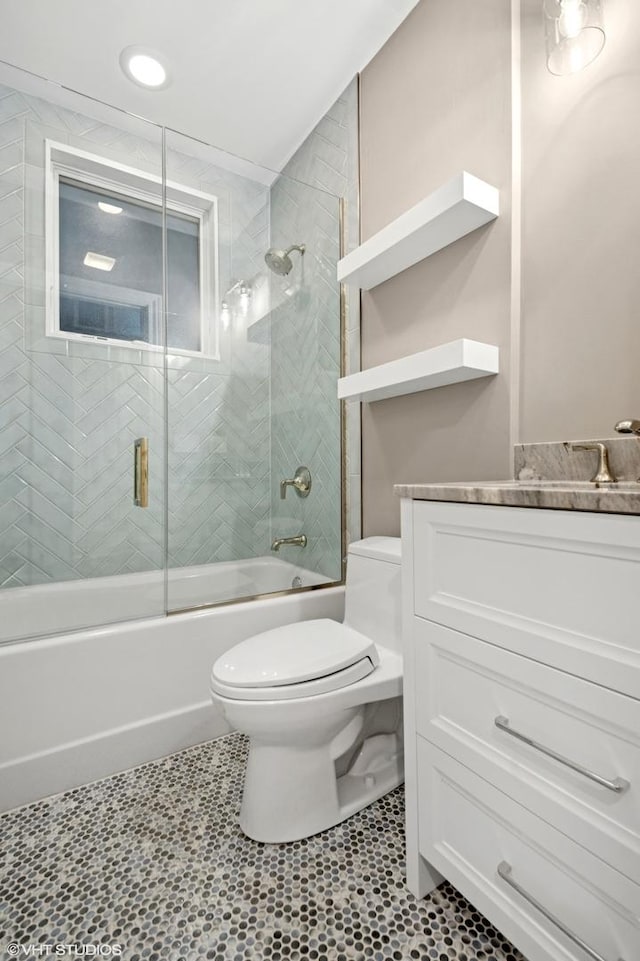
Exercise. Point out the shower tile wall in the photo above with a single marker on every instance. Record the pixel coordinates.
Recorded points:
(219, 465)
(65, 484)
(305, 339)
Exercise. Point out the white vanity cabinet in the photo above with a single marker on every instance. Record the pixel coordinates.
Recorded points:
(522, 720)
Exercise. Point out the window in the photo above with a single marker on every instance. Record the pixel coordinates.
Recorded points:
(105, 256)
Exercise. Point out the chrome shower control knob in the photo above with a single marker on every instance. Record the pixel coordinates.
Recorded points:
(301, 483)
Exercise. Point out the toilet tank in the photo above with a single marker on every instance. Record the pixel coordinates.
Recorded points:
(372, 595)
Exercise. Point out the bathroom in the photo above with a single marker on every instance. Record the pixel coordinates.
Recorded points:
(121, 778)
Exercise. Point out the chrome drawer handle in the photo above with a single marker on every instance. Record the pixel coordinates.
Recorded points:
(618, 785)
(504, 871)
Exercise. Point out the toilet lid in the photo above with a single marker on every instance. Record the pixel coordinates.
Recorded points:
(296, 653)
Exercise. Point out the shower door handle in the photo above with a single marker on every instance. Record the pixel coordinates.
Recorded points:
(141, 472)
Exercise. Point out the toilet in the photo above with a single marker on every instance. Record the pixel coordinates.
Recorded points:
(321, 702)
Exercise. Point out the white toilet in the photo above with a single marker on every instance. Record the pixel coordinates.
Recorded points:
(321, 702)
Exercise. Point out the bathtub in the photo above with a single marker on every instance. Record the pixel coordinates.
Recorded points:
(75, 605)
(79, 706)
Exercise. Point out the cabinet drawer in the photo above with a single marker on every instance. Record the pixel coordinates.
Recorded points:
(467, 684)
(468, 828)
(557, 586)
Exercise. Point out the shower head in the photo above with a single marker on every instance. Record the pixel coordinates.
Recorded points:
(279, 261)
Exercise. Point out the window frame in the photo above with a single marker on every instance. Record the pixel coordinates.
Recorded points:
(101, 173)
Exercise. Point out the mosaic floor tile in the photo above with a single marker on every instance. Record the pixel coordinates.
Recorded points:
(151, 864)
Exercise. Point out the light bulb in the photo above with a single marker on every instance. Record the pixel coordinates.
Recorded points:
(225, 315)
(574, 34)
(244, 299)
(109, 208)
(98, 261)
(145, 67)
(147, 70)
(572, 19)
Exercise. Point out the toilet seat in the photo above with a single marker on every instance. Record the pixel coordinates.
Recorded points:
(297, 660)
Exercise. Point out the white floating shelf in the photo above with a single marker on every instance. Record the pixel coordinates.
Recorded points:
(451, 212)
(447, 364)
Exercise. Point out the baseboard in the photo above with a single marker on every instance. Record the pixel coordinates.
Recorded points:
(92, 758)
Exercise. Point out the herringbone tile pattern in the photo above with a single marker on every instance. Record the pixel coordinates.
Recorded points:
(69, 413)
(68, 418)
(219, 429)
(305, 336)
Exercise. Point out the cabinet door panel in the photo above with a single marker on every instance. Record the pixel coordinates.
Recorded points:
(468, 828)
(467, 684)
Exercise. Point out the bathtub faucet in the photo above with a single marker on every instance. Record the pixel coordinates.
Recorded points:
(299, 541)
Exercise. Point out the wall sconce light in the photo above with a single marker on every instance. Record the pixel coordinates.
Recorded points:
(236, 301)
(574, 34)
(244, 298)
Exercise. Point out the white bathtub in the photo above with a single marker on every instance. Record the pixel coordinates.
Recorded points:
(76, 605)
(80, 706)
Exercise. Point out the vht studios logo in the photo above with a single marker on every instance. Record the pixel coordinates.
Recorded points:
(15, 950)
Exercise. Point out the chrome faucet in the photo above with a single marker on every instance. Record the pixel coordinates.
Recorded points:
(299, 541)
(603, 474)
(628, 427)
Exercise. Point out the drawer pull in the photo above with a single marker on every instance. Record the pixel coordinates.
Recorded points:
(504, 871)
(618, 785)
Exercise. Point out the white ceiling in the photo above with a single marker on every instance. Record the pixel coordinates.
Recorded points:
(252, 77)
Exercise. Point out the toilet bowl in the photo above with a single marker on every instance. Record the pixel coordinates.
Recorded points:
(321, 703)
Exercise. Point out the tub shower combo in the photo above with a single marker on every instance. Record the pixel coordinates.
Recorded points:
(172, 333)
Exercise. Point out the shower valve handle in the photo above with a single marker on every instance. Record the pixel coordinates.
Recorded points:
(301, 483)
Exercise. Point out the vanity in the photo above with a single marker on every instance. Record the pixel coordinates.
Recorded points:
(521, 610)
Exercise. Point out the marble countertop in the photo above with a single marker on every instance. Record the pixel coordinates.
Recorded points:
(619, 498)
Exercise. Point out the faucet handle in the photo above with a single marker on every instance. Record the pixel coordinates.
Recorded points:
(628, 427)
(301, 483)
(603, 474)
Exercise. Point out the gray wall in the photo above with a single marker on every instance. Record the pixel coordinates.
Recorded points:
(581, 236)
(305, 338)
(437, 100)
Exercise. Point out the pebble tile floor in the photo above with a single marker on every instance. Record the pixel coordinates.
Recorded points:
(152, 861)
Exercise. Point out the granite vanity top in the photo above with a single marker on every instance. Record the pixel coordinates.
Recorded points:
(550, 476)
(621, 498)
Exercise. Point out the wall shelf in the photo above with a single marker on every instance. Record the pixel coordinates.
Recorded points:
(454, 210)
(447, 364)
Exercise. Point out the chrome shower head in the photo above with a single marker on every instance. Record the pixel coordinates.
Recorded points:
(628, 426)
(279, 261)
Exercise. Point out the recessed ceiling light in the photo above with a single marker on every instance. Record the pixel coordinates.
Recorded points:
(109, 208)
(99, 261)
(145, 67)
